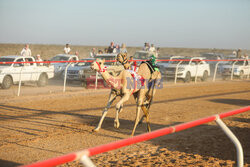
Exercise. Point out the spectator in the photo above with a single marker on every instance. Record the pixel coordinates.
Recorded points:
(238, 53)
(67, 49)
(100, 52)
(157, 52)
(38, 58)
(92, 53)
(152, 48)
(111, 47)
(123, 49)
(116, 49)
(106, 50)
(77, 54)
(146, 46)
(26, 51)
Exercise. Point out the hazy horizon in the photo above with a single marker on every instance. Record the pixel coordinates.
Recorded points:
(223, 24)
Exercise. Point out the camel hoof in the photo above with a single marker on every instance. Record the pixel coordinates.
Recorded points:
(95, 130)
(116, 125)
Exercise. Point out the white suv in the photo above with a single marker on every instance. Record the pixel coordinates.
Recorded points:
(189, 68)
(241, 68)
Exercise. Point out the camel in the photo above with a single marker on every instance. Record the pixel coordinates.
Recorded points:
(121, 86)
(154, 78)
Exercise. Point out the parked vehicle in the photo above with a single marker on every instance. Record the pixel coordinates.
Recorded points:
(76, 72)
(213, 59)
(188, 69)
(164, 64)
(29, 72)
(142, 55)
(60, 65)
(113, 67)
(241, 68)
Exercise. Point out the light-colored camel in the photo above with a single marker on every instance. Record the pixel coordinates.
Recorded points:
(154, 78)
(121, 86)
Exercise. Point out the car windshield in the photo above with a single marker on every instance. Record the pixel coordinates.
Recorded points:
(237, 62)
(6, 60)
(107, 58)
(84, 63)
(141, 55)
(177, 60)
(59, 58)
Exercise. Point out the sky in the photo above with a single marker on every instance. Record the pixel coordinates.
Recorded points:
(165, 23)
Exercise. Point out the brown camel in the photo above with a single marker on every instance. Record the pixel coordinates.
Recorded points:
(123, 87)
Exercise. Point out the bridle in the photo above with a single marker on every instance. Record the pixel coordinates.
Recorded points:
(100, 69)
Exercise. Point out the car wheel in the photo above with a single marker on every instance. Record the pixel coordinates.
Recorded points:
(7, 82)
(187, 77)
(205, 76)
(43, 80)
(241, 75)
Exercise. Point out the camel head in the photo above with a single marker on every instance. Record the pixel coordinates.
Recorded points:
(122, 58)
(98, 65)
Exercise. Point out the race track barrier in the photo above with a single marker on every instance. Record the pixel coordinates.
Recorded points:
(162, 60)
(84, 155)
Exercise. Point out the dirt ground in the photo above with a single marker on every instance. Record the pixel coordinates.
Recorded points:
(38, 126)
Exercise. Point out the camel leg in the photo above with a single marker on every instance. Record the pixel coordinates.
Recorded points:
(146, 113)
(112, 97)
(138, 110)
(119, 107)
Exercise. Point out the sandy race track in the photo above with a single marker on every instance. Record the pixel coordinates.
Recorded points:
(38, 127)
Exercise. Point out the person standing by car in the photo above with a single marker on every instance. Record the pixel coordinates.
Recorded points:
(111, 47)
(116, 49)
(92, 53)
(123, 49)
(38, 58)
(26, 51)
(67, 49)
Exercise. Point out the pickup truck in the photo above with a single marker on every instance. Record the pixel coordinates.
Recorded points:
(29, 72)
(59, 67)
(188, 69)
(241, 68)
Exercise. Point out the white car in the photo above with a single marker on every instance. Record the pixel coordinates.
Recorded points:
(30, 72)
(60, 65)
(241, 68)
(188, 69)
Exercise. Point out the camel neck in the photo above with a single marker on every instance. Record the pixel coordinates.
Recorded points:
(115, 82)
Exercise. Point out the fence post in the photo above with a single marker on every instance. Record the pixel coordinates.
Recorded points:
(196, 72)
(86, 161)
(215, 70)
(233, 138)
(65, 76)
(232, 72)
(248, 70)
(96, 75)
(176, 70)
(20, 80)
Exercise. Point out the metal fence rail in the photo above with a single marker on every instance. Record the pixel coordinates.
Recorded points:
(84, 154)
